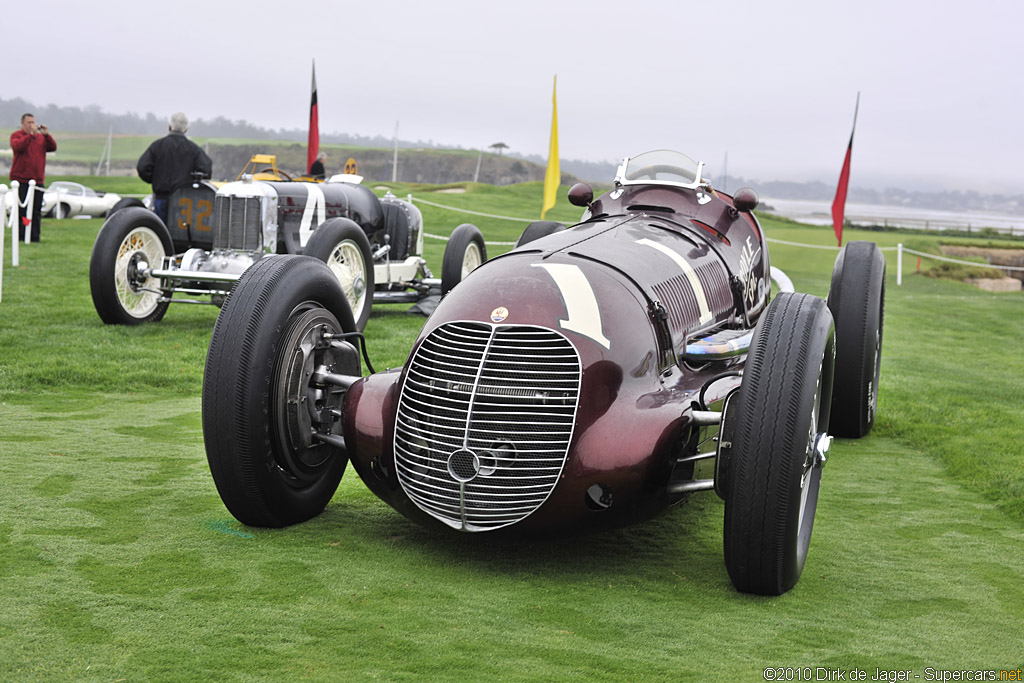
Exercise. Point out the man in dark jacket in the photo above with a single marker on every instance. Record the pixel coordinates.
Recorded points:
(170, 161)
(30, 143)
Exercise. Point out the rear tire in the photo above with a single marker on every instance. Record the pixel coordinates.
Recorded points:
(127, 240)
(539, 229)
(256, 419)
(396, 227)
(857, 301)
(774, 475)
(345, 248)
(465, 253)
(124, 203)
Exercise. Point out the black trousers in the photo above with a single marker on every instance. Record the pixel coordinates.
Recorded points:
(22, 193)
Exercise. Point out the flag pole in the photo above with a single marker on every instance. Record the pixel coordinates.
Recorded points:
(553, 175)
(313, 146)
(839, 203)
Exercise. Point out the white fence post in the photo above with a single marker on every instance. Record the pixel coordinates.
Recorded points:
(3, 234)
(899, 264)
(30, 203)
(14, 222)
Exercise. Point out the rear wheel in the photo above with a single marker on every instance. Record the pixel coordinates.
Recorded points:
(778, 445)
(124, 203)
(539, 229)
(396, 227)
(344, 247)
(857, 301)
(272, 430)
(465, 253)
(129, 244)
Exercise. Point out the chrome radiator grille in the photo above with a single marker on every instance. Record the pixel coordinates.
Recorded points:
(484, 422)
(237, 223)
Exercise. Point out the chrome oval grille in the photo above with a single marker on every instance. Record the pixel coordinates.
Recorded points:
(484, 422)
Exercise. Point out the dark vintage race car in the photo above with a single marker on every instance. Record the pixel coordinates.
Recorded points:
(592, 376)
(373, 245)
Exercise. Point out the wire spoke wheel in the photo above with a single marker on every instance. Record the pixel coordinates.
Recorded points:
(465, 253)
(345, 248)
(347, 264)
(141, 247)
(132, 242)
(471, 260)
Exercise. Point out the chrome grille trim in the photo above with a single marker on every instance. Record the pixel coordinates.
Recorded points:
(237, 223)
(506, 393)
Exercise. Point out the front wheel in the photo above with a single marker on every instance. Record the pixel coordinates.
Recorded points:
(465, 253)
(272, 424)
(778, 447)
(345, 248)
(130, 243)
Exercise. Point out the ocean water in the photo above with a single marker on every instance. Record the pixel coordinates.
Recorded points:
(820, 213)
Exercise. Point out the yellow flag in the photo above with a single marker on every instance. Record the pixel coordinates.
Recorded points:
(553, 176)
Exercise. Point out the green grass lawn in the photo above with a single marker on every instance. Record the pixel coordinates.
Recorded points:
(119, 561)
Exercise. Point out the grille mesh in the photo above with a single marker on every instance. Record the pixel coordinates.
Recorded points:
(238, 224)
(491, 404)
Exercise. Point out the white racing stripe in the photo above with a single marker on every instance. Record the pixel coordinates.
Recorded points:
(582, 311)
(314, 202)
(689, 272)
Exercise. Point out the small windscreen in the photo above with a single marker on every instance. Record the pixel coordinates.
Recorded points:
(660, 166)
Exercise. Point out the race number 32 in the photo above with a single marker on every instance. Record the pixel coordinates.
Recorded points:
(196, 214)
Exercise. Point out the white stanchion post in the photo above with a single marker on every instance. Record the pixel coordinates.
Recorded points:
(14, 222)
(30, 204)
(3, 234)
(899, 264)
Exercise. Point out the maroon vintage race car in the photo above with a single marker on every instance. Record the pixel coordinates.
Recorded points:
(592, 376)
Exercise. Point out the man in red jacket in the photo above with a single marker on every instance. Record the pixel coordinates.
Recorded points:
(30, 144)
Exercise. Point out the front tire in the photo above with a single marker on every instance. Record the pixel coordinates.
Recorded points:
(465, 253)
(778, 445)
(260, 406)
(857, 301)
(345, 248)
(132, 239)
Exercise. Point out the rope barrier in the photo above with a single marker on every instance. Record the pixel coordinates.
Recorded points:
(965, 263)
(767, 239)
(475, 213)
(798, 244)
(445, 239)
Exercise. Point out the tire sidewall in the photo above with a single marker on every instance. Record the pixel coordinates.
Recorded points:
(455, 253)
(856, 299)
(322, 244)
(103, 264)
(770, 442)
(239, 390)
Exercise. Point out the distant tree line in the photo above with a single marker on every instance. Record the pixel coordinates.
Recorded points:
(92, 119)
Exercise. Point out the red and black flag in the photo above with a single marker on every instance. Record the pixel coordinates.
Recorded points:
(314, 127)
(839, 203)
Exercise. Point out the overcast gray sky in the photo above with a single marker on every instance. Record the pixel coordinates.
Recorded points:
(771, 83)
